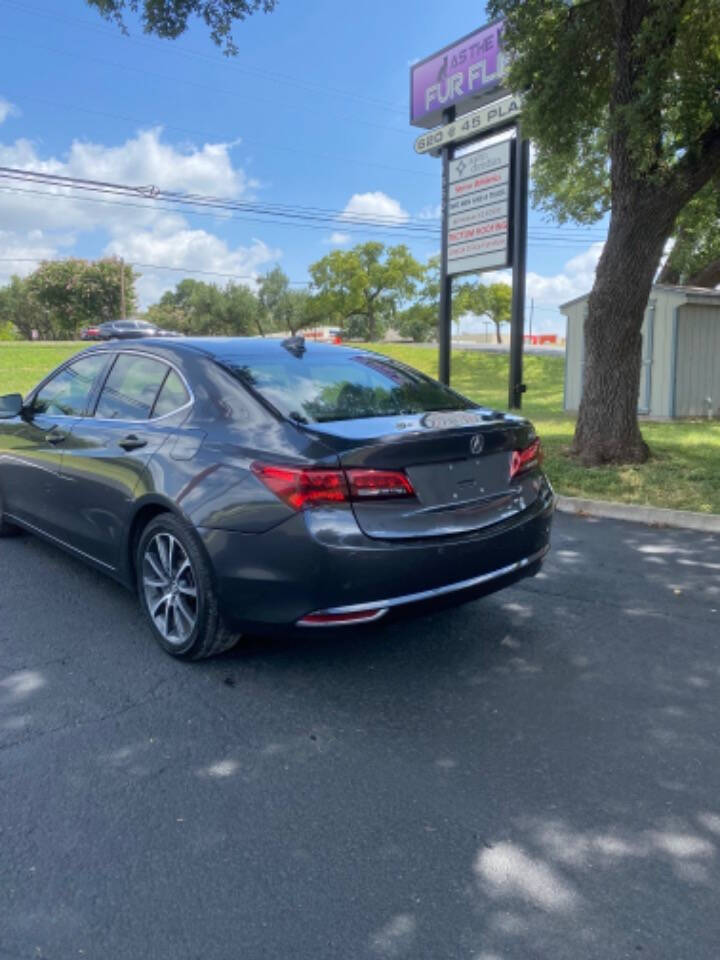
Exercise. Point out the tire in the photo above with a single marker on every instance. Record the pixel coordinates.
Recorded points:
(176, 591)
(7, 529)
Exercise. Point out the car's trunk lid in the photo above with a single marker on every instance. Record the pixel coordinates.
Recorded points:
(458, 463)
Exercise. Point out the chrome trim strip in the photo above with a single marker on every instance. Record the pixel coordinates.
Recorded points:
(117, 420)
(68, 546)
(436, 591)
(152, 356)
(340, 623)
(115, 351)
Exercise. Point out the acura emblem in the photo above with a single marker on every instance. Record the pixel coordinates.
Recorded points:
(477, 443)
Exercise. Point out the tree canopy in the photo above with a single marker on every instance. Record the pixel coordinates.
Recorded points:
(622, 101)
(695, 256)
(62, 296)
(170, 18)
(493, 301)
(204, 309)
(639, 77)
(361, 289)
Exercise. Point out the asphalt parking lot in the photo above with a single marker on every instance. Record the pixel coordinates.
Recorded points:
(534, 775)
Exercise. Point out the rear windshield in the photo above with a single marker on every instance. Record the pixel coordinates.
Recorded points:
(319, 389)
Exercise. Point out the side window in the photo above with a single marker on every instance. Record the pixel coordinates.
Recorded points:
(66, 395)
(130, 390)
(172, 396)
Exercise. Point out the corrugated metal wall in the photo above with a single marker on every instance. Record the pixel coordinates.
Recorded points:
(574, 353)
(697, 377)
(658, 380)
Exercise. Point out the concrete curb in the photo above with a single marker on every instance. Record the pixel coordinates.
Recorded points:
(653, 516)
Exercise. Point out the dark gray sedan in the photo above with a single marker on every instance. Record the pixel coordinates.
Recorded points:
(262, 485)
(125, 330)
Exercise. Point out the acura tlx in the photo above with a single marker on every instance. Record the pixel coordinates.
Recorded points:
(256, 485)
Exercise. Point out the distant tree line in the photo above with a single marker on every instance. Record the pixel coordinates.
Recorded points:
(363, 291)
(62, 296)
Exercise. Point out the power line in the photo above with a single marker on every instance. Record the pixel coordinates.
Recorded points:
(395, 232)
(411, 226)
(152, 192)
(156, 266)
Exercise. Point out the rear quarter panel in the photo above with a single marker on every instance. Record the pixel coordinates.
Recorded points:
(205, 471)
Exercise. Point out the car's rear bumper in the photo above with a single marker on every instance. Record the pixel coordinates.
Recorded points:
(314, 565)
(371, 610)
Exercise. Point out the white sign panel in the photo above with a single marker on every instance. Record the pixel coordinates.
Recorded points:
(491, 211)
(492, 115)
(482, 198)
(482, 161)
(477, 230)
(478, 206)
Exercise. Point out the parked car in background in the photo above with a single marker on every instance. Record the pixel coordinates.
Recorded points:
(91, 333)
(125, 330)
(323, 334)
(250, 484)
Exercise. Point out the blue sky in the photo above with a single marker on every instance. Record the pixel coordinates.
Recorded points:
(313, 111)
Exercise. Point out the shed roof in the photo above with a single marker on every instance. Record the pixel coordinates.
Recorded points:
(688, 294)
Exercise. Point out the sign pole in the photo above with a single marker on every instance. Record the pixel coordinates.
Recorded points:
(445, 317)
(516, 387)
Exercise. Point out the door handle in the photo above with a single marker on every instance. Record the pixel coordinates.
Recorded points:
(131, 442)
(55, 437)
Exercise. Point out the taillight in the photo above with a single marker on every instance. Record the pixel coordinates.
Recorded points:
(305, 487)
(378, 484)
(299, 488)
(523, 460)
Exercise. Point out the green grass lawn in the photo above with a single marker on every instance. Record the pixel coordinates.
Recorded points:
(683, 473)
(23, 364)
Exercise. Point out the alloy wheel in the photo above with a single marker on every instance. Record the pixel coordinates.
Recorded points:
(170, 588)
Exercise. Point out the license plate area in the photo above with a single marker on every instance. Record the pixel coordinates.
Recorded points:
(461, 481)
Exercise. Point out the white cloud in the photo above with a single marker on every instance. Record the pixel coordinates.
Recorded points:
(142, 231)
(20, 254)
(363, 206)
(7, 109)
(338, 239)
(548, 292)
(142, 160)
(576, 278)
(430, 212)
(173, 245)
(146, 160)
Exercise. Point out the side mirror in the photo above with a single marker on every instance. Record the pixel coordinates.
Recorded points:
(11, 406)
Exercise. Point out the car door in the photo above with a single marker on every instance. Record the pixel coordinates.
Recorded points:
(34, 444)
(139, 407)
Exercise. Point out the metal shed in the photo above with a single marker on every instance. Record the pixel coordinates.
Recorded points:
(681, 353)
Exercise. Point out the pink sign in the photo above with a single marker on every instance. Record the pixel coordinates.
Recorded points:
(465, 70)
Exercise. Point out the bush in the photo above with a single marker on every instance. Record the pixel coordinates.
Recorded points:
(8, 331)
(418, 323)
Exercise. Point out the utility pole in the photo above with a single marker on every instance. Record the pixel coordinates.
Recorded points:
(516, 387)
(532, 311)
(122, 289)
(445, 318)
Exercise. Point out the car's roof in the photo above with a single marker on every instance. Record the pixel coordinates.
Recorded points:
(227, 347)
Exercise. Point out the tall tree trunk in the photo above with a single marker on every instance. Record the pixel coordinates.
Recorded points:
(607, 429)
(498, 338)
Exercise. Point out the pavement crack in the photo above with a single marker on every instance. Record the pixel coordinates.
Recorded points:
(92, 721)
